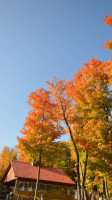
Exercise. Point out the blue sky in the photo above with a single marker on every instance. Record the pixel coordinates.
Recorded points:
(40, 39)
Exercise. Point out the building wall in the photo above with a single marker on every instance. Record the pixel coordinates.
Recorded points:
(26, 190)
(10, 175)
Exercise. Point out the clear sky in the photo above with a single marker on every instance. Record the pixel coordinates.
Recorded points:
(40, 39)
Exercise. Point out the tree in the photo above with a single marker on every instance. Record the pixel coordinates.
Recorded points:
(64, 112)
(91, 91)
(41, 129)
(61, 158)
(108, 20)
(7, 154)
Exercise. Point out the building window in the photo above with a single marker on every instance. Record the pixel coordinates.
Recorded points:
(33, 187)
(28, 186)
(63, 190)
(42, 188)
(20, 186)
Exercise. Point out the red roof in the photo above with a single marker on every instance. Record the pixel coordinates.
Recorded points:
(28, 171)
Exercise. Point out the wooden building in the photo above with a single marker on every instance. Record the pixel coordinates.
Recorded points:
(20, 179)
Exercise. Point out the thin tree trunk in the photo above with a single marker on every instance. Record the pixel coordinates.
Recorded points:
(83, 192)
(76, 150)
(106, 188)
(38, 176)
(84, 176)
(81, 179)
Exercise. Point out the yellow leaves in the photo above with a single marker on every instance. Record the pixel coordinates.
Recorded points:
(6, 155)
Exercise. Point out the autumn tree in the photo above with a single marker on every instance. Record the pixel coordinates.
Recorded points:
(61, 158)
(64, 112)
(108, 20)
(41, 128)
(98, 171)
(85, 105)
(7, 154)
(91, 91)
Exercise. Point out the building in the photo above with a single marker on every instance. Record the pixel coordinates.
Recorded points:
(20, 178)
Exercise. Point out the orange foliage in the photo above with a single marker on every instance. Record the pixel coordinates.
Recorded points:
(89, 90)
(108, 20)
(58, 89)
(41, 127)
(108, 45)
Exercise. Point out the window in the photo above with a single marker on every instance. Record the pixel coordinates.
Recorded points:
(42, 188)
(33, 187)
(20, 186)
(63, 190)
(48, 188)
(28, 186)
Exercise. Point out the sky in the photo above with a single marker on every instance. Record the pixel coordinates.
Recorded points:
(40, 39)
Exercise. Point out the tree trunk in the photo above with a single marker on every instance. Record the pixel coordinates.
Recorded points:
(84, 177)
(83, 191)
(81, 178)
(106, 188)
(38, 176)
(77, 163)
(76, 150)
